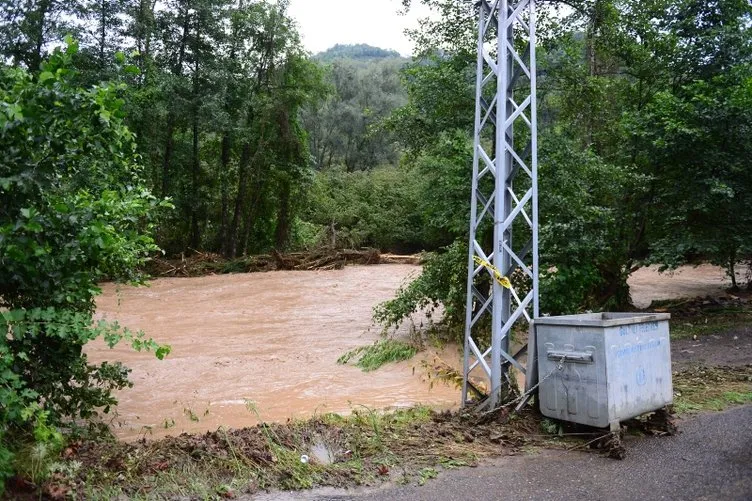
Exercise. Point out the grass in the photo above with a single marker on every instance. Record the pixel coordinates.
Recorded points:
(699, 317)
(712, 389)
(410, 445)
(382, 352)
(711, 323)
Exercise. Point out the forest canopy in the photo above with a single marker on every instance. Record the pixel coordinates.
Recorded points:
(259, 145)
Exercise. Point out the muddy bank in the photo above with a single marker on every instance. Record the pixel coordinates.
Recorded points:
(726, 347)
(261, 342)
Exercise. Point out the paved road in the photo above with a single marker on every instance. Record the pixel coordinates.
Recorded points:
(711, 459)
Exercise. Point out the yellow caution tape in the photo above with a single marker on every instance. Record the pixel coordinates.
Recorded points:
(503, 281)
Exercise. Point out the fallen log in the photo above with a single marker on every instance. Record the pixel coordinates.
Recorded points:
(413, 259)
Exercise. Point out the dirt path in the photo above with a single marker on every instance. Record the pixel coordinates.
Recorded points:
(268, 338)
(725, 348)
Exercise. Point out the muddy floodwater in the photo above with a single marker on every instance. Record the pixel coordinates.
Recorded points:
(264, 343)
(267, 344)
(647, 284)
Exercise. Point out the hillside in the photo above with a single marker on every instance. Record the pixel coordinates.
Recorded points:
(358, 52)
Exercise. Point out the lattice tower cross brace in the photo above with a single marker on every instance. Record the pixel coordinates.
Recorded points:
(506, 150)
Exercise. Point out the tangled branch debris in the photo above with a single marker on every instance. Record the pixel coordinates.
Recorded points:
(207, 263)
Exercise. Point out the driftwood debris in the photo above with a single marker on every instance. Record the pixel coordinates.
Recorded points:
(205, 263)
(325, 259)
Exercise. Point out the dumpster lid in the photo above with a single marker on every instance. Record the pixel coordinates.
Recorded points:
(605, 319)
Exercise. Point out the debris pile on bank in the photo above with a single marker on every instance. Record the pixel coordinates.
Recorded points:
(207, 263)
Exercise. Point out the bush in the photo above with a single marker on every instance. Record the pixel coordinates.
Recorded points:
(441, 283)
(74, 212)
(367, 208)
(583, 220)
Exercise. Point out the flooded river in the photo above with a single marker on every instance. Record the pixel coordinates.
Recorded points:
(268, 344)
(264, 341)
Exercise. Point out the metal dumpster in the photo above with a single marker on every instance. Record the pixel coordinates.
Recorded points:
(601, 368)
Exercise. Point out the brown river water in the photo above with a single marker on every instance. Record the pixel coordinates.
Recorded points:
(267, 344)
(268, 341)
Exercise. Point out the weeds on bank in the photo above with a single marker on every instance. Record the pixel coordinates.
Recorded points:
(360, 449)
(380, 353)
(704, 316)
(715, 389)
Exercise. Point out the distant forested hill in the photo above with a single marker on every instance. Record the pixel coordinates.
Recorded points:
(357, 52)
(365, 87)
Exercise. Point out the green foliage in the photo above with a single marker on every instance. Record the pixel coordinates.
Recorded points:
(711, 388)
(382, 352)
(356, 51)
(220, 119)
(709, 194)
(427, 474)
(28, 28)
(33, 459)
(6, 463)
(587, 233)
(345, 128)
(551, 427)
(375, 208)
(416, 206)
(440, 91)
(214, 93)
(441, 283)
(583, 239)
(643, 145)
(75, 212)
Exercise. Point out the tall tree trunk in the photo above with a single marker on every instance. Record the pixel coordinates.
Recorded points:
(195, 161)
(240, 199)
(143, 33)
(224, 195)
(731, 271)
(195, 168)
(35, 59)
(167, 158)
(226, 234)
(102, 30)
(171, 116)
(282, 235)
(250, 219)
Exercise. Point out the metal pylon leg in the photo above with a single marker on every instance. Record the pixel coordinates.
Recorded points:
(504, 195)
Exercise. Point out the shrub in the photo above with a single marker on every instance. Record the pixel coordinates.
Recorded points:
(74, 212)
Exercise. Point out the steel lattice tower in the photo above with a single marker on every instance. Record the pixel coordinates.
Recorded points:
(504, 196)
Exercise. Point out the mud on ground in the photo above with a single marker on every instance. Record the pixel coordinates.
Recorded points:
(712, 330)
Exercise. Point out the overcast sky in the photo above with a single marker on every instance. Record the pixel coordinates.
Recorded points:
(324, 23)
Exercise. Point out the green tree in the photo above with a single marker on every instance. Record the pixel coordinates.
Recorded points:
(103, 33)
(28, 27)
(699, 140)
(344, 129)
(628, 90)
(359, 52)
(74, 212)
